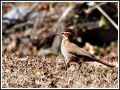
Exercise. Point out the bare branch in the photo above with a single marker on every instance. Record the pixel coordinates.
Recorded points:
(105, 14)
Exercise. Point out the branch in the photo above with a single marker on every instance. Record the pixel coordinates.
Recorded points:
(105, 14)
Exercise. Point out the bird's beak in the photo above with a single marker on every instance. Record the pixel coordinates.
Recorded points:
(58, 34)
(62, 32)
(65, 32)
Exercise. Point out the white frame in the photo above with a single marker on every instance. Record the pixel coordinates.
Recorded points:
(59, 1)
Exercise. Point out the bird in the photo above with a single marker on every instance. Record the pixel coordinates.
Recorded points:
(72, 52)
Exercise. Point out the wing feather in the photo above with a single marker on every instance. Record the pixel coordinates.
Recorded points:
(76, 50)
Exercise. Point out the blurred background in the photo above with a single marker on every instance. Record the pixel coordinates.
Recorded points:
(27, 25)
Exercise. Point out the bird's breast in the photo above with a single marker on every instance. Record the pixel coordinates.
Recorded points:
(67, 55)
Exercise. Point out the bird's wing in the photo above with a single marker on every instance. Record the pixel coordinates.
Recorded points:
(76, 50)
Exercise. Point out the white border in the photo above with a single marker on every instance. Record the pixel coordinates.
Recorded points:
(60, 1)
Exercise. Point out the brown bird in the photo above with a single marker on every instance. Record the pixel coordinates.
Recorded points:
(73, 53)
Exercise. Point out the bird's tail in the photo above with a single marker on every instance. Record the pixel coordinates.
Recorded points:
(102, 62)
(105, 63)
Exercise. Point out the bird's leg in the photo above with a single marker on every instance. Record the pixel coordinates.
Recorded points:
(75, 65)
(66, 64)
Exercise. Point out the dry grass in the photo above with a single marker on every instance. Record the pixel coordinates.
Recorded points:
(47, 72)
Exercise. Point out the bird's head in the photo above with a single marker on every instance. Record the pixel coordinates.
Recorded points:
(67, 35)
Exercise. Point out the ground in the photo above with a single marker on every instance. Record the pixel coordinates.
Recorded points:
(50, 72)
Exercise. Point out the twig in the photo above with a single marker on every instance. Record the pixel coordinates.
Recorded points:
(39, 32)
(63, 16)
(65, 13)
(12, 29)
(105, 14)
(56, 41)
(94, 7)
(89, 25)
(32, 7)
(22, 24)
(39, 20)
(30, 10)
